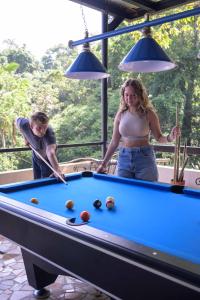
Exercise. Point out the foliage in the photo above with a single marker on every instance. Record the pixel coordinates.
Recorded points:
(74, 106)
(25, 60)
(13, 90)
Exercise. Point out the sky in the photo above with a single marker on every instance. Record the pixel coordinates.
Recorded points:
(41, 24)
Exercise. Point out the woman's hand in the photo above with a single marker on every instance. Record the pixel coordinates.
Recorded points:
(101, 169)
(175, 133)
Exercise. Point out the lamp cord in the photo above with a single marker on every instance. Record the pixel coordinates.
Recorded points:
(83, 17)
(146, 31)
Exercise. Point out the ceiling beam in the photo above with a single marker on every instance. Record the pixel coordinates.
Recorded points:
(146, 5)
(159, 21)
(132, 10)
(115, 23)
(168, 4)
(104, 6)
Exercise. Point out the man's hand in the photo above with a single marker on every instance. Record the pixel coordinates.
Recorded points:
(56, 175)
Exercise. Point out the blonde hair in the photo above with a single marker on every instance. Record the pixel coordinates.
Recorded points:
(144, 102)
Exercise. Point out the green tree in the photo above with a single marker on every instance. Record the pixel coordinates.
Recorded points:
(13, 94)
(19, 54)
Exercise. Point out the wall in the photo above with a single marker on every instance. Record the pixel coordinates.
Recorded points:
(165, 173)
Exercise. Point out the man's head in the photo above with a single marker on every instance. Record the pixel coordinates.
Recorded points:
(39, 123)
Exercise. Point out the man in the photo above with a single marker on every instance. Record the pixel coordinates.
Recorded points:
(40, 136)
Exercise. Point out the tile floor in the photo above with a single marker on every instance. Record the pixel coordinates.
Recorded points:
(14, 285)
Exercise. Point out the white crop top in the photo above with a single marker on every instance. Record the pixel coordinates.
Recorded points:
(133, 126)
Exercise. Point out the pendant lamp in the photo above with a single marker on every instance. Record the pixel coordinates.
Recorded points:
(146, 56)
(86, 66)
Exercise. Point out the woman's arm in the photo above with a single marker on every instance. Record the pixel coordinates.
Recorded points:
(154, 124)
(113, 144)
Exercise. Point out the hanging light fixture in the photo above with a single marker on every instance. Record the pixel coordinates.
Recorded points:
(146, 56)
(86, 65)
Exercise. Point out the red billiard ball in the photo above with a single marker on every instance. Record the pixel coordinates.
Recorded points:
(69, 204)
(110, 204)
(85, 215)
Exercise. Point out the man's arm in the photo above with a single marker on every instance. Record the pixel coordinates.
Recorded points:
(17, 125)
(51, 154)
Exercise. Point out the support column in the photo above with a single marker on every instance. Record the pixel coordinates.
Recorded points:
(104, 86)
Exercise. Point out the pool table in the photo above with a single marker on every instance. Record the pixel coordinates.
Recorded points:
(146, 247)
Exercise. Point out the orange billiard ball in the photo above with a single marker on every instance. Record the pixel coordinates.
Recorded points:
(34, 200)
(85, 215)
(69, 204)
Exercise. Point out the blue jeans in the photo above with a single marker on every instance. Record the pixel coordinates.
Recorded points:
(138, 163)
(40, 169)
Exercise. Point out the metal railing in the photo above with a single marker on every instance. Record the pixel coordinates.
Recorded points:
(158, 148)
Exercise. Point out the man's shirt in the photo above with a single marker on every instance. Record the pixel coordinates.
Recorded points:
(38, 143)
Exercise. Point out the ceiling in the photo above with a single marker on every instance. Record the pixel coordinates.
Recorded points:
(130, 10)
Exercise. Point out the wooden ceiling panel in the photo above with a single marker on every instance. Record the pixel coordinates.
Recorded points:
(128, 9)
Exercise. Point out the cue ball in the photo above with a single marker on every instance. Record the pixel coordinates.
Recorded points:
(69, 204)
(97, 203)
(34, 200)
(85, 215)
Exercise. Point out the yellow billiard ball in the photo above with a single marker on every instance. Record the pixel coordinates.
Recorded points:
(69, 204)
(34, 200)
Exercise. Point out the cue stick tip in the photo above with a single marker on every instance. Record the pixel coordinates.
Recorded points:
(64, 181)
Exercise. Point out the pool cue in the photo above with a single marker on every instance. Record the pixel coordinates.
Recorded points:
(185, 150)
(184, 153)
(185, 160)
(176, 150)
(44, 160)
(178, 158)
(183, 168)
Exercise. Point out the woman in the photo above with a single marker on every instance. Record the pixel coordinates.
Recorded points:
(134, 121)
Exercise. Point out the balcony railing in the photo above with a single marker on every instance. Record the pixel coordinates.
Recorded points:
(157, 148)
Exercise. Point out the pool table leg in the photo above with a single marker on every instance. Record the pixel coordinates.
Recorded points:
(39, 274)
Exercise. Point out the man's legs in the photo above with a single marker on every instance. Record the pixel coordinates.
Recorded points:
(40, 169)
(36, 168)
(45, 170)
